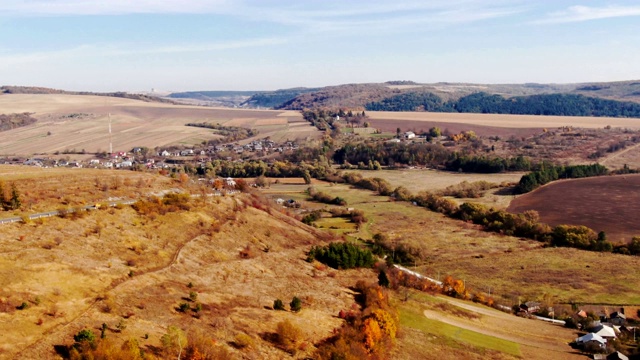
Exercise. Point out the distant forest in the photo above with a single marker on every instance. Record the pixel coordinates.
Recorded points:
(483, 103)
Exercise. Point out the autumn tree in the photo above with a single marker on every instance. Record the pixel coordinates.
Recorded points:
(174, 341)
(288, 335)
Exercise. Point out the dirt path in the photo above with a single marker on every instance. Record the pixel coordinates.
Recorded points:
(615, 155)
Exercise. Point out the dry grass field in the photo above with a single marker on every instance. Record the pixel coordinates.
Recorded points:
(503, 121)
(511, 268)
(46, 189)
(67, 122)
(609, 203)
(130, 270)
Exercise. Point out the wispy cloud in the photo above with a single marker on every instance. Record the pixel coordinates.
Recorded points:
(112, 7)
(95, 51)
(586, 13)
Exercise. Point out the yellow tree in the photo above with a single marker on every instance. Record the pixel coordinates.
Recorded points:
(174, 341)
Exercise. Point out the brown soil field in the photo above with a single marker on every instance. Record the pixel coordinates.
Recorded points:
(608, 203)
(506, 121)
(79, 122)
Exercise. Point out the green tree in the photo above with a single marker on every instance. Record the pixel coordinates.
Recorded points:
(85, 336)
(278, 304)
(295, 304)
(306, 176)
(15, 202)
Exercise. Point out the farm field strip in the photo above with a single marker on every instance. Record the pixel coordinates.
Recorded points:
(507, 121)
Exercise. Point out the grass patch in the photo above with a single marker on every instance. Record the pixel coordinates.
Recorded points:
(337, 225)
(413, 318)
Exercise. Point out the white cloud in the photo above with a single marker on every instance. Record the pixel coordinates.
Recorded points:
(586, 13)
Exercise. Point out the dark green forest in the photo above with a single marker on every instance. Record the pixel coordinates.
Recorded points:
(483, 103)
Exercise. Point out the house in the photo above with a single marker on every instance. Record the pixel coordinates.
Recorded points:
(165, 153)
(606, 332)
(618, 318)
(592, 340)
(230, 182)
(409, 135)
(529, 307)
(279, 201)
(94, 162)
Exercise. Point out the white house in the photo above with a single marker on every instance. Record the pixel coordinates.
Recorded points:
(165, 153)
(591, 337)
(230, 182)
(409, 135)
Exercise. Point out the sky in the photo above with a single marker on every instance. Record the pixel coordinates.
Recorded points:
(181, 45)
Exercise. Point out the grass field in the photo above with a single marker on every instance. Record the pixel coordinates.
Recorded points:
(608, 203)
(510, 268)
(67, 122)
(474, 331)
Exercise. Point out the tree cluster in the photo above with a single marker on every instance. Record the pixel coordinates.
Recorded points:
(548, 173)
(341, 255)
(368, 333)
(11, 200)
(12, 121)
(228, 133)
(325, 198)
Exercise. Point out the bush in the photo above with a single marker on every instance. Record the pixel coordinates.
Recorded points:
(242, 341)
(295, 304)
(288, 336)
(278, 305)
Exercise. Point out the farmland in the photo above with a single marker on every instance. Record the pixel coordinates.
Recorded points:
(80, 122)
(509, 267)
(502, 121)
(608, 204)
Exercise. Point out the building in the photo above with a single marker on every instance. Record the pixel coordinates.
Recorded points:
(409, 135)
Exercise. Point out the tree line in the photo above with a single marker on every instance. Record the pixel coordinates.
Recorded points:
(484, 103)
(548, 173)
(526, 225)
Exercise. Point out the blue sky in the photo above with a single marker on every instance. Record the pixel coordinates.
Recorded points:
(178, 45)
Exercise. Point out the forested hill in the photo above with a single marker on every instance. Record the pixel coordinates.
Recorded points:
(545, 104)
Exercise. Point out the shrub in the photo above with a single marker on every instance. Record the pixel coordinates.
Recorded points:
(243, 340)
(295, 304)
(278, 305)
(288, 335)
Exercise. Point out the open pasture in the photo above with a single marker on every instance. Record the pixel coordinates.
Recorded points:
(609, 203)
(68, 122)
(506, 266)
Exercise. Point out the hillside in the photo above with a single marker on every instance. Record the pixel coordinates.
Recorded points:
(130, 268)
(393, 96)
(71, 123)
(43, 90)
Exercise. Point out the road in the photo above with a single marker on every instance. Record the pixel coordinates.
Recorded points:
(57, 212)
